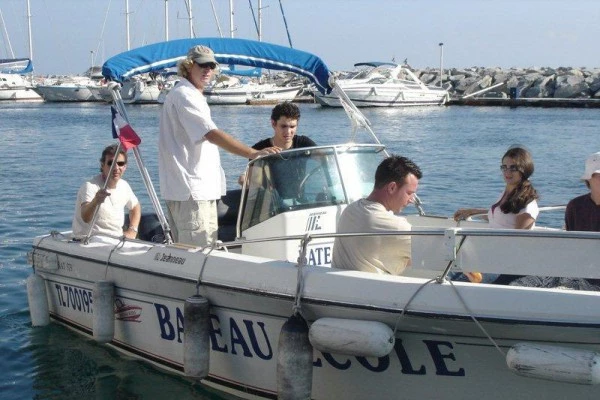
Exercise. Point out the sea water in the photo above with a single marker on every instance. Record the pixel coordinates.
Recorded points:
(50, 149)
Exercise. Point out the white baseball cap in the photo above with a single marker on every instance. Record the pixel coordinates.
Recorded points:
(592, 166)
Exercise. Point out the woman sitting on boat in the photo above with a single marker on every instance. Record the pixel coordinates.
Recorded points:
(517, 207)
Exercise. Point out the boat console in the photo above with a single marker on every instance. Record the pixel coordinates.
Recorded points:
(302, 191)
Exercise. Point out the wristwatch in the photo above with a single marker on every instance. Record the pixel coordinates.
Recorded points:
(133, 228)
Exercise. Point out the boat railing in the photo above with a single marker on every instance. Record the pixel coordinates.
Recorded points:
(482, 216)
(503, 251)
(437, 251)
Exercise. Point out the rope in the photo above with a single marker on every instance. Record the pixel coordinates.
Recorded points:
(100, 41)
(472, 315)
(216, 244)
(119, 245)
(464, 303)
(408, 303)
(52, 234)
(296, 309)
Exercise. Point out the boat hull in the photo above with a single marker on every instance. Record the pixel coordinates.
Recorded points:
(55, 93)
(243, 95)
(19, 94)
(386, 97)
(438, 353)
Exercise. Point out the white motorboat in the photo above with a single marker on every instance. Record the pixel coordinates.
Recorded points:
(142, 91)
(231, 90)
(72, 88)
(139, 90)
(13, 83)
(69, 89)
(380, 84)
(264, 316)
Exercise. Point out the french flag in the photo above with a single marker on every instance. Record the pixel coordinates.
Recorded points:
(123, 131)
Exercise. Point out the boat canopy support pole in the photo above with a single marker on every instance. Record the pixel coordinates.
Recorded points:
(116, 94)
(359, 120)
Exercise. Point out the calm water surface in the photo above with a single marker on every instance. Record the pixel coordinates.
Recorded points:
(49, 149)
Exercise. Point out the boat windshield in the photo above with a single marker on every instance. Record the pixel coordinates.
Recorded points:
(308, 178)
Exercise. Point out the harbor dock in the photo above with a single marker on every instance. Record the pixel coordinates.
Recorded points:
(526, 102)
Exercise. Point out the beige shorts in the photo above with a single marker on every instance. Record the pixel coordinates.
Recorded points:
(193, 222)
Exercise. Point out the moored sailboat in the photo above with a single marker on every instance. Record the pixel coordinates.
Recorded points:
(13, 84)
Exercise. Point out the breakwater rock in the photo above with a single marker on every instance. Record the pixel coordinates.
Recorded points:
(563, 82)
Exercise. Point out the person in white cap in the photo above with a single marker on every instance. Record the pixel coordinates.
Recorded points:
(583, 212)
(190, 174)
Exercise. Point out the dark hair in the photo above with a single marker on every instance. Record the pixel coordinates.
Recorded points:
(524, 193)
(110, 151)
(285, 109)
(395, 169)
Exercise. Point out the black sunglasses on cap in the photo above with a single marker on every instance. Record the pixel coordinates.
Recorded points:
(207, 65)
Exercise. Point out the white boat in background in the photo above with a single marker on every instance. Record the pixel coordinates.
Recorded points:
(382, 84)
(265, 316)
(16, 74)
(142, 90)
(14, 84)
(72, 88)
(230, 90)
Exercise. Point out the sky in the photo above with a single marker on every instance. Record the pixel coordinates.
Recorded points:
(70, 35)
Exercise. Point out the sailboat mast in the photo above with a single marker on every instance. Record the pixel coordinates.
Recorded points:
(127, 25)
(231, 28)
(189, 9)
(260, 20)
(29, 31)
(166, 20)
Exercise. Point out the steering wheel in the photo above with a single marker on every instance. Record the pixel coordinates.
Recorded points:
(302, 184)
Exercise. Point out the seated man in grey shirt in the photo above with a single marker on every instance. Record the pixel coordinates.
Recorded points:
(396, 182)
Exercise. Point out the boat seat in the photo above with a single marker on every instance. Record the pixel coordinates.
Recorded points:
(227, 213)
(149, 229)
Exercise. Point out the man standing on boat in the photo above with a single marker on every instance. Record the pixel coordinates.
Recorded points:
(284, 121)
(189, 164)
(396, 182)
(110, 201)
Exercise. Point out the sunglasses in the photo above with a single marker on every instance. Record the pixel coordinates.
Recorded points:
(207, 65)
(511, 168)
(119, 163)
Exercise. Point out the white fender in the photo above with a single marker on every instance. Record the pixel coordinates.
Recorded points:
(38, 301)
(560, 364)
(352, 337)
(103, 322)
